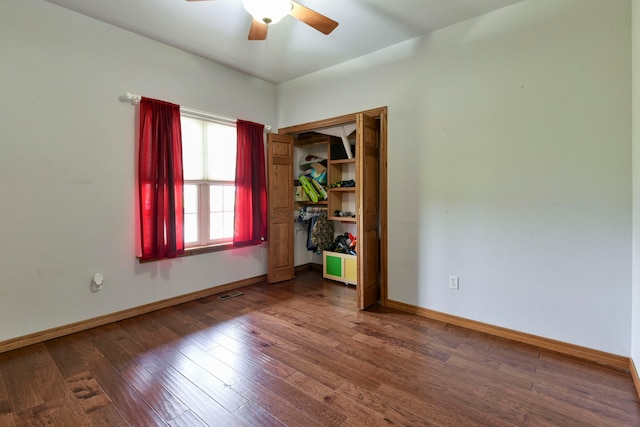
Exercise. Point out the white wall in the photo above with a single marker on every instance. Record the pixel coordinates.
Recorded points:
(635, 324)
(509, 165)
(67, 165)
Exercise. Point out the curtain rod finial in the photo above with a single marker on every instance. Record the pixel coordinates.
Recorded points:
(131, 97)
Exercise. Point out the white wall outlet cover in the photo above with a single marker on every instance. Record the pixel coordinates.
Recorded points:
(454, 282)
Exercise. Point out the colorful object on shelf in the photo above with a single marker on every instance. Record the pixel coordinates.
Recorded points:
(316, 171)
(299, 195)
(344, 243)
(345, 184)
(314, 167)
(310, 160)
(319, 173)
(308, 188)
(319, 189)
(353, 246)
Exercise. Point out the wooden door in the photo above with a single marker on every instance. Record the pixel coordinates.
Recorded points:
(280, 207)
(368, 207)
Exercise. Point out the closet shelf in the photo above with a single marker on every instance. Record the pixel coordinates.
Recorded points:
(342, 218)
(312, 203)
(342, 161)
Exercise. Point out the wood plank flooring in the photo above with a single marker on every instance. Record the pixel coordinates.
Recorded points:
(299, 354)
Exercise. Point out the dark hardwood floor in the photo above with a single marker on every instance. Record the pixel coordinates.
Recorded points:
(299, 354)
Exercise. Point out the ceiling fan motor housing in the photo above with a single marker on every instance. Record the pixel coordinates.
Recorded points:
(267, 11)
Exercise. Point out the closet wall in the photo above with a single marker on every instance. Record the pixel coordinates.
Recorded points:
(322, 150)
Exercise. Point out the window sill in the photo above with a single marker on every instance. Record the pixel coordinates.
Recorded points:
(207, 249)
(197, 251)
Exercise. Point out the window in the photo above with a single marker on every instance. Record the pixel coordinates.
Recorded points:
(209, 163)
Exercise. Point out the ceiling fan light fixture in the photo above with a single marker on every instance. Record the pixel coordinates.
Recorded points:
(267, 11)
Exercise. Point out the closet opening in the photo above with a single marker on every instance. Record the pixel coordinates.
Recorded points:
(327, 184)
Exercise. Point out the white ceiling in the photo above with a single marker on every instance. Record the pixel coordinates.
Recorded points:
(218, 29)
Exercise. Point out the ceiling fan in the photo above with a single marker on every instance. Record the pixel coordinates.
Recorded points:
(269, 12)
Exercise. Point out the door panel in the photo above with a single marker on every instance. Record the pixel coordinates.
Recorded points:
(280, 202)
(368, 218)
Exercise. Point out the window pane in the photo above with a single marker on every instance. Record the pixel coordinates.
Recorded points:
(190, 228)
(221, 200)
(221, 152)
(221, 225)
(215, 198)
(227, 228)
(229, 197)
(190, 196)
(216, 230)
(192, 148)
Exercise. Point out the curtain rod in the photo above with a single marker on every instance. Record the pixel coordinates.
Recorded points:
(135, 100)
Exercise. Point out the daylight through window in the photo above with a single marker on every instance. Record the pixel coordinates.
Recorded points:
(209, 157)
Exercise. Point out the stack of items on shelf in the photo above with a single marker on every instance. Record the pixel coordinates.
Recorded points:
(340, 213)
(313, 178)
(343, 184)
(344, 243)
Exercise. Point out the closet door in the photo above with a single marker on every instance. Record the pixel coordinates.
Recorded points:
(280, 210)
(368, 205)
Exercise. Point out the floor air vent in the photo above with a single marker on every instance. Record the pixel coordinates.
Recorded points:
(230, 295)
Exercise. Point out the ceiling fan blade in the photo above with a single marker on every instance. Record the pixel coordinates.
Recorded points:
(258, 30)
(312, 18)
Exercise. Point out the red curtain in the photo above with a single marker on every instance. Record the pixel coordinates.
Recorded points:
(251, 187)
(160, 180)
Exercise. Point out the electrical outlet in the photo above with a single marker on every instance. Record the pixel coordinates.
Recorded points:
(454, 282)
(96, 282)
